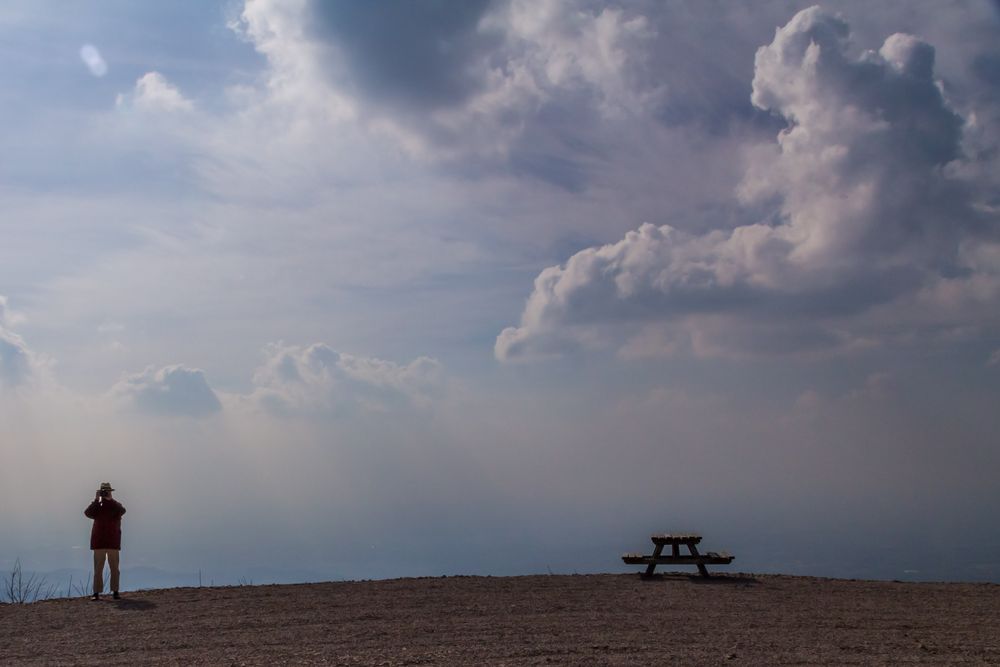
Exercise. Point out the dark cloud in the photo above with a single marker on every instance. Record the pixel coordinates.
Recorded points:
(174, 391)
(558, 170)
(458, 80)
(422, 53)
(986, 67)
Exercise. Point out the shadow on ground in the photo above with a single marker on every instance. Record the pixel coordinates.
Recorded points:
(134, 605)
(714, 580)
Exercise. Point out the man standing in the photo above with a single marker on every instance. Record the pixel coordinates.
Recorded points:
(105, 537)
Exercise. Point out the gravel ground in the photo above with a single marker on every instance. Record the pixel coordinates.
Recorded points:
(539, 620)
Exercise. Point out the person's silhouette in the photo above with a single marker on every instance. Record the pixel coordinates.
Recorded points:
(105, 537)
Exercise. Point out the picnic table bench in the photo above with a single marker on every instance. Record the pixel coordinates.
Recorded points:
(675, 540)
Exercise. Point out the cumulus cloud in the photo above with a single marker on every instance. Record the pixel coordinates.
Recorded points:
(868, 211)
(569, 46)
(318, 379)
(154, 93)
(174, 391)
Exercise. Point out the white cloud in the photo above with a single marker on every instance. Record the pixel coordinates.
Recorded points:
(168, 391)
(18, 365)
(8, 317)
(318, 379)
(279, 31)
(15, 359)
(563, 45)
(868, 213)
(91, 57)
(153, 93)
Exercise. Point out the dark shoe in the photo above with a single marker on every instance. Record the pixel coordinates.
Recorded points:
(115, 596)
(95, 596)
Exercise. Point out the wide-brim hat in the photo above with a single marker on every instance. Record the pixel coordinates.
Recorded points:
(106, 486)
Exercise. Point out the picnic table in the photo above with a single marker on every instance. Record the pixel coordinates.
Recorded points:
(675, 540)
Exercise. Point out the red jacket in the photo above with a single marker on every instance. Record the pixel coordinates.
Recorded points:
(107, 530)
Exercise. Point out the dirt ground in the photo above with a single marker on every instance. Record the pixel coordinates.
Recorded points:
(605, 619)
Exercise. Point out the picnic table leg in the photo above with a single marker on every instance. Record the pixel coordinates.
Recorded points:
(652, 566)
(701, 566)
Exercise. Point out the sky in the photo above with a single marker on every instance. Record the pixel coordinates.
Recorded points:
(361, 290)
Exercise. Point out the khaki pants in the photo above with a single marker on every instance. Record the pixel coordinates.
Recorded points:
(99, 556)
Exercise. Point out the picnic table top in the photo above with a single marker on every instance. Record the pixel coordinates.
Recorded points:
(675, 538)
(710, 558)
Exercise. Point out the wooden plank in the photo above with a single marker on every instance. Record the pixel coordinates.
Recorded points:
(637, 559)
(675, 538)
